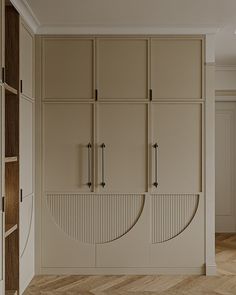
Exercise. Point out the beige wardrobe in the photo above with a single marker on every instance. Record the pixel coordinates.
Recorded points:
(17, 152)
(122, 166)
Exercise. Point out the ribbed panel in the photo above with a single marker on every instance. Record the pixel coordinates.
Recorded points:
(171, 214)
(95, 218)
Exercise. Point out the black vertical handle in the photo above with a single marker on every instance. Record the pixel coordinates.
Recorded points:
(3, 204)
(89, 146)
(103, 165)
(155, 146)
(21, 195)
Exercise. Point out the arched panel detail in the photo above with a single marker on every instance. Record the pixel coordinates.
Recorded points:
(95, 219)
(26, 216)
(171, 215)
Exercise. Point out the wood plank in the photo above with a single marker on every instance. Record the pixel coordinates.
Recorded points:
(9, 229)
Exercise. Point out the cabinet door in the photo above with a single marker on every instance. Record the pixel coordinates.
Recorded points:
(2, 29)
(176, 68)
(67, 132)
(26, 61)
(122, 68)
(123, 130)
(177, 129)
(2, 192)
(26, 146)
(68, 68)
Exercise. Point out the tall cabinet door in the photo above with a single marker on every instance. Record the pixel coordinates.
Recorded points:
(26, 157)
(26, 61)
(122, 165)
(2, 143)
(27, 192)
(177, 162)
(67, 157)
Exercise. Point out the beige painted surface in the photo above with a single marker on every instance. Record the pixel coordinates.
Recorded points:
(68, 68)
(132, 249)
(123, 130)
(60, 251)
(26, 61)
(67, 132)
(185, 250)
(225, 167)
(122, 68)
(176, 68)
(26, 146)
(177, 131)
(2, 189)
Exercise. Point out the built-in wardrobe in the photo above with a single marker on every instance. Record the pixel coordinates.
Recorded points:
(121, 145)
(17, 152)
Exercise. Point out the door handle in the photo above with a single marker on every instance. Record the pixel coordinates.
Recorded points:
(103, 165)
(155, 146)
(89, 146)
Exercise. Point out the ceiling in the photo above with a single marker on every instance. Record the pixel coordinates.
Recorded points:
(144, 13)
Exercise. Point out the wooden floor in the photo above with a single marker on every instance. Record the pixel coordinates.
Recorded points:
(222, 284)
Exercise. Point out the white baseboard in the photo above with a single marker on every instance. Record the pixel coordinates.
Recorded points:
(211, 270)
(124, 271)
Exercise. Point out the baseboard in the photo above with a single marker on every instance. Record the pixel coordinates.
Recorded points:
(211, 270)
(124, 271)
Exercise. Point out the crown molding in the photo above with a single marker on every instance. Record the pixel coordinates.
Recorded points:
(126, 30)
(27, 14)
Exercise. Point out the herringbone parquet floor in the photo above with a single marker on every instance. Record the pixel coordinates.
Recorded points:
(222, 284)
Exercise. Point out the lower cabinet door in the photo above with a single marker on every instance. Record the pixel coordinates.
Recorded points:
(27, 234)
(122, 147)
(177, 158)
(67, 133)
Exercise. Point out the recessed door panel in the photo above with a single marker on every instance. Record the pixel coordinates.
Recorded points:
(122, 68)
(122, 162)
(176, 68)
(225, 167)
(26, 61)
(26, 146)
(67, 132)
(177, 162)
(68, 69)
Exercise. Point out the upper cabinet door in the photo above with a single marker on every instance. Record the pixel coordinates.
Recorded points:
(122, 165)
(176, 68)
(2, 33)
(67, 158)
(67, 68)
(26, 61)
(177, 162)
(122, 68)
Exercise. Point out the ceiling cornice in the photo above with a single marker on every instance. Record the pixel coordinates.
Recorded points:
(27, 14)
(120, 30)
